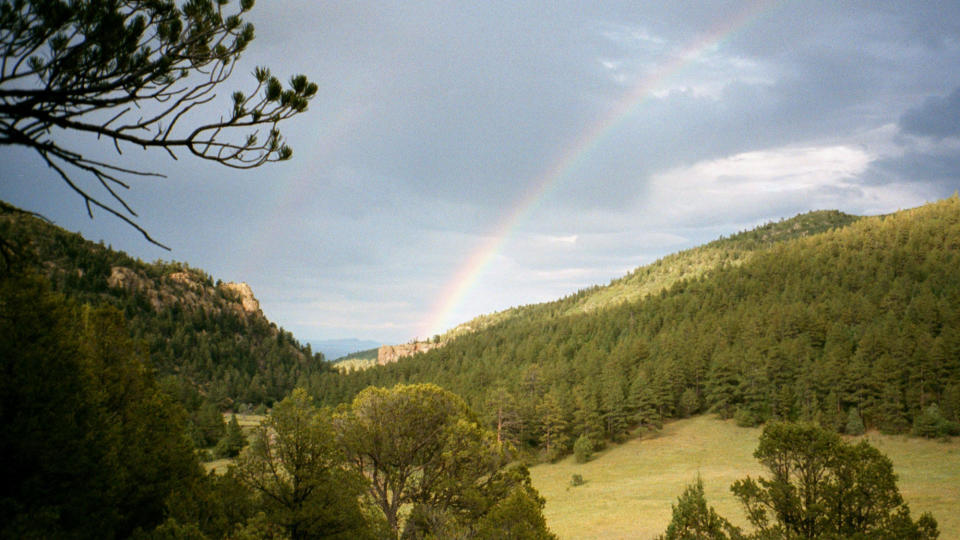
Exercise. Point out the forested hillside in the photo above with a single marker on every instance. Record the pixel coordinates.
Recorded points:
(208, 341)
(651, 279)
(854, 327)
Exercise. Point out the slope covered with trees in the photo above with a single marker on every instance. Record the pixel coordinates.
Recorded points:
(204, 342)
(651, 279)
(857, 325)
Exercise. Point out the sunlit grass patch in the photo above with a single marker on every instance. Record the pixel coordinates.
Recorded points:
(628, 489)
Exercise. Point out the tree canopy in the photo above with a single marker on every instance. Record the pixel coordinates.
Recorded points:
(296, 469)
(823, 487)
(420, 445)
(135, 72)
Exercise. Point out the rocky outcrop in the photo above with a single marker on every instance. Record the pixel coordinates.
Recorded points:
(122, 277)
(186, 279)
(245, 294)
(190, 290)
(388, 354)
(130, 280)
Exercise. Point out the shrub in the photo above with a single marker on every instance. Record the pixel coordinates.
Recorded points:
(931, 423)
(744, 418)
(583, 449)
(576, 480)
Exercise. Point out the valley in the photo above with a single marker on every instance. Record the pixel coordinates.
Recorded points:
(850, 323)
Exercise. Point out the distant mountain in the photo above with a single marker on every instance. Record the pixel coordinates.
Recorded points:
(208, 340)
(335, 349)
(825, 317)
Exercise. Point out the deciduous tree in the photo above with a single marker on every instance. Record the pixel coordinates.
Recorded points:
(297, 469)
(420, 445)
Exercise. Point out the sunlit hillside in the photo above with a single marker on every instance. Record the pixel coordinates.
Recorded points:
(664, 273)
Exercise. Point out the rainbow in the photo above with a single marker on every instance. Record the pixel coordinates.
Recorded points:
(573, 155)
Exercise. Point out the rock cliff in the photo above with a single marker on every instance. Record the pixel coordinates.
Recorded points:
(388, 354)
(245, 294)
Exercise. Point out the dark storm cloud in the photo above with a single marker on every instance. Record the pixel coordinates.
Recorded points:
(936, 117)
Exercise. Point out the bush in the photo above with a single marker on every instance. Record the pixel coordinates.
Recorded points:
(745, 418)
(583, 449)
(689, 402)
(576, 480)
(931, 424)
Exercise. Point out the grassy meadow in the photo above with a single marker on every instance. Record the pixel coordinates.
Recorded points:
(629, 488)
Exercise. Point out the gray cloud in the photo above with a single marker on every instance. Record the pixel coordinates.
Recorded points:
(434, 119)
(936, 117)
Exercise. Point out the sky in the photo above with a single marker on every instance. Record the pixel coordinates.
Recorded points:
(461, 158)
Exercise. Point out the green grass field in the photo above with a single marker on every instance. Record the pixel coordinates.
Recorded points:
(629, 488)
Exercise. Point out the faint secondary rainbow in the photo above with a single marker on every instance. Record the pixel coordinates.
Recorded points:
(573, 155)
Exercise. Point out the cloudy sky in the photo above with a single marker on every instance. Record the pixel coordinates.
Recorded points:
(464, 157)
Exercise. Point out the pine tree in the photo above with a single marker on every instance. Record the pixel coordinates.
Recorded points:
(854, 423)
(614, 403)
(554, 438)
(645, 411)
(233, 440)
(724, 387)
(822, 487)
(296, 468)
(692, 519)
(72, 66)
